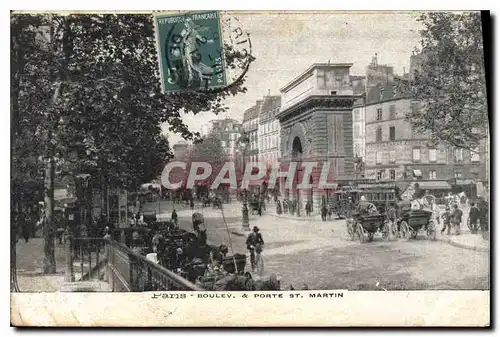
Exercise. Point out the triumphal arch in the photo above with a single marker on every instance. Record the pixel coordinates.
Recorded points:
(316, 126)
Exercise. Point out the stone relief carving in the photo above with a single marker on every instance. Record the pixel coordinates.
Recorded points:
(308, 137)
(285, 142)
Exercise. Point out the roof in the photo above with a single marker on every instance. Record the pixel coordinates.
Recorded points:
(270, 103)
(434, 185)
(373, 94)
(299, 78)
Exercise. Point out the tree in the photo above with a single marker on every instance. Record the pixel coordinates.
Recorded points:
(450, 82)
(209, 150)
(91, 97)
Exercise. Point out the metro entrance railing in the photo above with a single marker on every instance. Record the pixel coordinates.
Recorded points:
(106, 260)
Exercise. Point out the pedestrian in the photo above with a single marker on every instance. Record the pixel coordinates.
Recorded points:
(191, 203)
(483, 213)
(254, 239)
(446, 216)
(324, 212)
(456, 218)
(435, 213)
(174, 218)
(278, 207)
(308, 209)
(107, 233)
(473, 218)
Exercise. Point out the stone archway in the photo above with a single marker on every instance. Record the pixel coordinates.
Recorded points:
(296, 148)
(297, 151)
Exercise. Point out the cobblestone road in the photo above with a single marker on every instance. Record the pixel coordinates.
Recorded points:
(321, 255)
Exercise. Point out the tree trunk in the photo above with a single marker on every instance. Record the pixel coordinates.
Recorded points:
(106, 198)
(49, 261)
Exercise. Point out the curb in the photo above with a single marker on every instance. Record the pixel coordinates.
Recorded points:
(281, 217)
(464, 246)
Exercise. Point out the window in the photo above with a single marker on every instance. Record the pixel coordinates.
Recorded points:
(392, 133)
(379, 134)
(458, 174)
(432, 175)
(378, 157)
(394, 89)
(381, 93)
(223, 143)
(474, 155)
(392, 156)
(392, 174)
(416, 154)
(380, 175)
(432, 155)
(415, 108)
(392, 111)
(459, 155)
(379, 114)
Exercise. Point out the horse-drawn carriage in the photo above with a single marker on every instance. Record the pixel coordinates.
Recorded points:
(412, 222)
(217, 202)
(368, 224)
(255, 206)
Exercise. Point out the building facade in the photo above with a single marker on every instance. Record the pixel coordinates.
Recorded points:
(229, 132)
(251, 129)
(269, 131)
(316, 125)
(395, 152)
(180, 150)
(378, 74)
(359, 128)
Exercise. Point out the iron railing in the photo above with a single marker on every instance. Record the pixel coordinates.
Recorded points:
(125, 270)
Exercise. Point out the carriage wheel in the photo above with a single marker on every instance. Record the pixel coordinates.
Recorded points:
(386, 231)
(414, 234)
(351, 230)
(361, 232)
(469, 225)
(431, 231)
(370, 236)
(404, 230)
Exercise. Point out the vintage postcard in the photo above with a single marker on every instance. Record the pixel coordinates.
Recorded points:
(250, 168)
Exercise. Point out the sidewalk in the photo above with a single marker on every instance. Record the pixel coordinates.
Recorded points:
(30, 277)
(466, 241)
(302, 217)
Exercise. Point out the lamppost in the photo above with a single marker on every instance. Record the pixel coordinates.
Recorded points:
(245, 223)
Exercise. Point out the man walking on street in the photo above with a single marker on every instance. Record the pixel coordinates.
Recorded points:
(456, 218)
(446, 216)
(473, 218)
(324, 212)
(174, 218)
(255, 238)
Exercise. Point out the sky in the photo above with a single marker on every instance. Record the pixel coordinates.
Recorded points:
(286, 44)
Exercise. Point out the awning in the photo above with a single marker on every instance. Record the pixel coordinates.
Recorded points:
(434, 185)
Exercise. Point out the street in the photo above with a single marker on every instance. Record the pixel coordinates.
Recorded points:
(322, 256)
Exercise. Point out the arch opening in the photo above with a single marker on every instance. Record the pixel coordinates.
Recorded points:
(296, 148)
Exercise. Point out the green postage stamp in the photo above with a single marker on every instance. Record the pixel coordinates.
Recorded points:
(190, 51)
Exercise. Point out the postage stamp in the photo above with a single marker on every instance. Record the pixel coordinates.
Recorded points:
(190, 51)
(249, 168)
